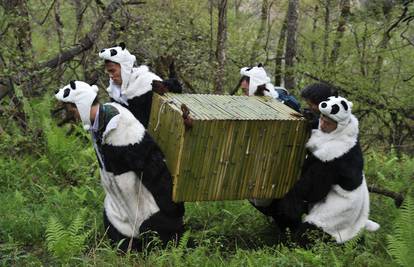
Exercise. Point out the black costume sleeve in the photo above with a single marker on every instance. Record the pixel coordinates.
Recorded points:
(350, 169)
(316, 180)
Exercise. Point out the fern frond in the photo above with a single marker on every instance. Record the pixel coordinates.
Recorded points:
(352, 244)
(184, 240)
(65, 243)
(401, 243)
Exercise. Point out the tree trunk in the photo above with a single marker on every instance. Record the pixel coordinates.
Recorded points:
(221, 42)
(327, 19)
(345, 7)
(279, 53)
(260, 35)
(23, 61)
(291, 43)
(382, 46)
(361, 46)
(237, 4)
(59, 26)
(314, 28)
(210, 11)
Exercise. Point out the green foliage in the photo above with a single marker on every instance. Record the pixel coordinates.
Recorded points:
(401, 243)
(20, 219)
(390, 170)
(66, 242)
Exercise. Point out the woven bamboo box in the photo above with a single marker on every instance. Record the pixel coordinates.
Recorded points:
(239, 147)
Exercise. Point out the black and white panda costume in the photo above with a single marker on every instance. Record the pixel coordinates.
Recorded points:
(135, 93)
(332, 189)
(134, 174)
(336, 160)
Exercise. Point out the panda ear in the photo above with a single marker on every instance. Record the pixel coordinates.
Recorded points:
(72, 84)
(260, 65)
(122, 45)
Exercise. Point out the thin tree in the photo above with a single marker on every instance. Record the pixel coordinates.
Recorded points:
(327, 26)
(314, 28)
(279, 53)
(291, 43)
(22, 33)
(221, 49)
(384, 44)
(211, 15)
(345, 7)
(261, 33)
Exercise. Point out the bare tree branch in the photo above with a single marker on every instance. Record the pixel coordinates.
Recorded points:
(47, 13)
(135, 3)
(86, 42)
(398, 198)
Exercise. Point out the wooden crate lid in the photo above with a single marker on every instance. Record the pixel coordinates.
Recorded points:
(226, 107)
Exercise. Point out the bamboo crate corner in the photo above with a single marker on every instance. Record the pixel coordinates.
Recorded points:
(238, 148)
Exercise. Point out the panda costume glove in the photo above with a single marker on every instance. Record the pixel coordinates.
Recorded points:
(82, 95)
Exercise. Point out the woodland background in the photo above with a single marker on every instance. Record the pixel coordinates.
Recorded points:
(51, 199)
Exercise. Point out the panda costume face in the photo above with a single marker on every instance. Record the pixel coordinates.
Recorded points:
(119, 54)
(82, 95)
(337, 109)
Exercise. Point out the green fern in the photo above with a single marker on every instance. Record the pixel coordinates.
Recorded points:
(401, 244)
(66, 242)
(184, 240)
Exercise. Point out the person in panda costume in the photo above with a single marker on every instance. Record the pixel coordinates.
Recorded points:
(254, 81)
(332, 193)
(134, 175)
(133, 87)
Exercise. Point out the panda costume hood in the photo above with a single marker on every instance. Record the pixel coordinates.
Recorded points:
(135, 81)
(135, 93)
(82, 95)
(258, 76)
(337, 157)
(343, 138)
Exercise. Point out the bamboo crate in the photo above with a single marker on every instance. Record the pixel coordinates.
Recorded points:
(239, 147)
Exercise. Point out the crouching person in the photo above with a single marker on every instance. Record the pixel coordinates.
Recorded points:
(137, 183)
(331, 194)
